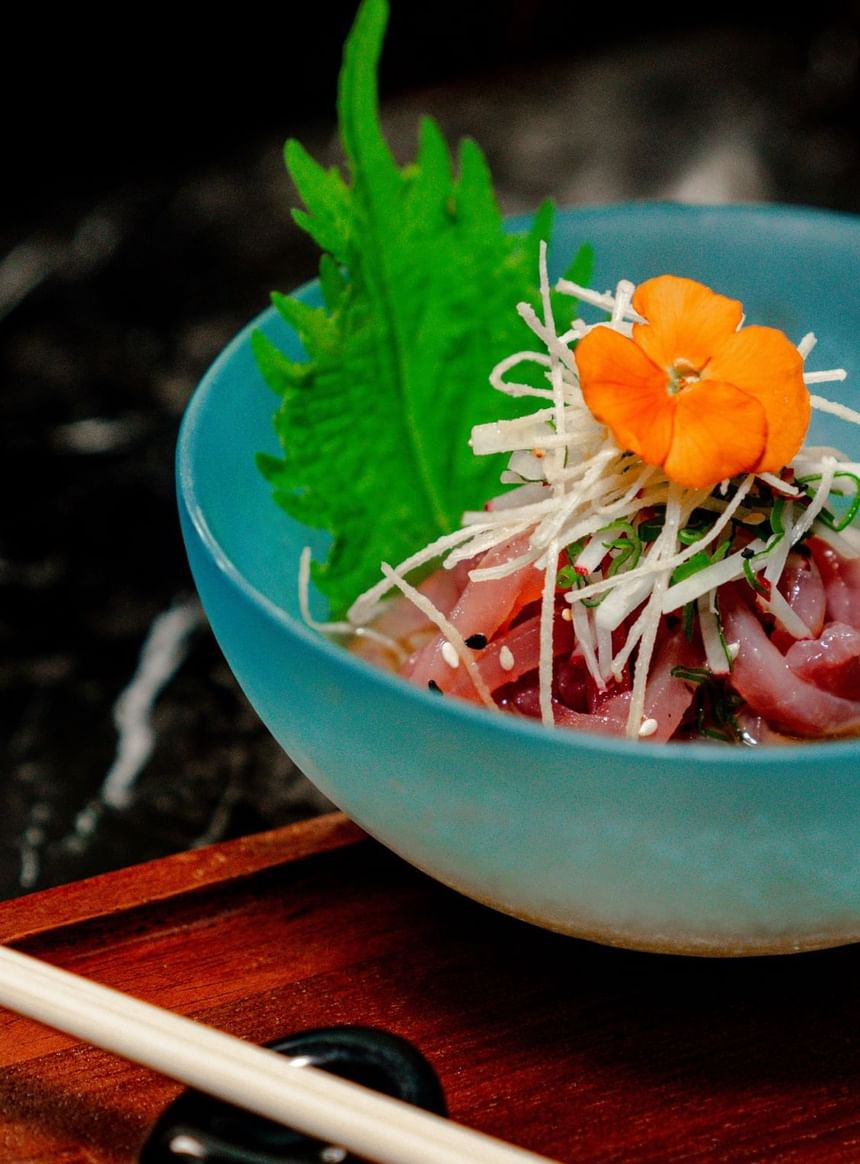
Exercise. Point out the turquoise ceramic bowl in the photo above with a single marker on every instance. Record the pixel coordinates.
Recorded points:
(687, 848)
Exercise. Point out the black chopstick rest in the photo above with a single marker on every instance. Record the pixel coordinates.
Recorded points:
(199, 1128)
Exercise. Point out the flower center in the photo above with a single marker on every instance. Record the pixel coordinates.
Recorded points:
(681, 373)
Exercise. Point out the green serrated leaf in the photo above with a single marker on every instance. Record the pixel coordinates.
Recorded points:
(477, 205)
(420, 282)
(271, 467)
(315, 327)
(326, 196)
(333, 282)
(282, 375)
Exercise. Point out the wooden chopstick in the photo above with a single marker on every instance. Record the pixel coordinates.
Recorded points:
(318, 1104)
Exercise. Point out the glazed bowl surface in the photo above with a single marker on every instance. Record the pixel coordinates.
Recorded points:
(692, 848)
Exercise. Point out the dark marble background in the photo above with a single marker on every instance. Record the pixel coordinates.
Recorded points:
(146, 218)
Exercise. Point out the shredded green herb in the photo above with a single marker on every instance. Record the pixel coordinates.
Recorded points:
(418, 279)
(628, 546)
(691, 674)
(714, 704)
(849, 511)
(700, 561)
(753, 579)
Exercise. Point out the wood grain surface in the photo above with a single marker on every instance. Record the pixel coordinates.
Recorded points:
(581, 1052)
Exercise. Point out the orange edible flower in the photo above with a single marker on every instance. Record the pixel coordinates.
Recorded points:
(692, 393)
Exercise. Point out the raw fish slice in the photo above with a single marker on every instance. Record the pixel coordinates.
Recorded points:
(831, 661)
(668, 698)
(611, 720)
(523, 653)
(409, 627)
(803, 589)
(841, 577)
(756, 729)
(761, 676)
(482, 608)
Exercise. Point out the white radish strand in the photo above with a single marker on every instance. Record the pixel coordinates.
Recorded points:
(547, 618)
(583, 629)
(819, 498)
(716, 659)
(573, 482)
(833, 376)
(821, 404)
(446, 628)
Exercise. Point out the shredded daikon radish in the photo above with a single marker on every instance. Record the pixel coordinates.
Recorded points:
(585, 504)
(621, 602)
(821, 404)
(784, 614)
(819, 500)
(708, 579)
(716, 658)
(647, 642)
(547, 613)
(365, 606)
(777, 484)
(498, 381)
(778, 556)
(807, 344)
(504, 436)
(583, 628)
(832, 376)
(452, 635)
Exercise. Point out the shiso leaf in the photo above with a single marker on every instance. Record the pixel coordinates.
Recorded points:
(420, 281)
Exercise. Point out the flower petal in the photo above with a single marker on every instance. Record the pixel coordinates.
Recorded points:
(719, 431)
(627, 392)
(686, 320)
(764, 363)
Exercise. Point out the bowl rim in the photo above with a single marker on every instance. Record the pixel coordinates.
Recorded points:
(674, 757)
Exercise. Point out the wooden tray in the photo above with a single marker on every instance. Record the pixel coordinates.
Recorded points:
(577, 1051)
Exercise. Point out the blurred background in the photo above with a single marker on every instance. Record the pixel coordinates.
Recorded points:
(146, 218)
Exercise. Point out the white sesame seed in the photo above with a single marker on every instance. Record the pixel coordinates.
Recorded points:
(567, 614)
(732, 650)
(449, 654)
(648, 727)
(506, 659)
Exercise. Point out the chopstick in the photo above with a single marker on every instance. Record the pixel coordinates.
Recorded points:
(371, 1125)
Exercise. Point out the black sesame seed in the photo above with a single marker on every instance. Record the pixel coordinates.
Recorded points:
(748, 553)
(434, 686)
(476, 642)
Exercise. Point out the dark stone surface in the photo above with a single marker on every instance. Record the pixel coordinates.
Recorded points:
(130, 260)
